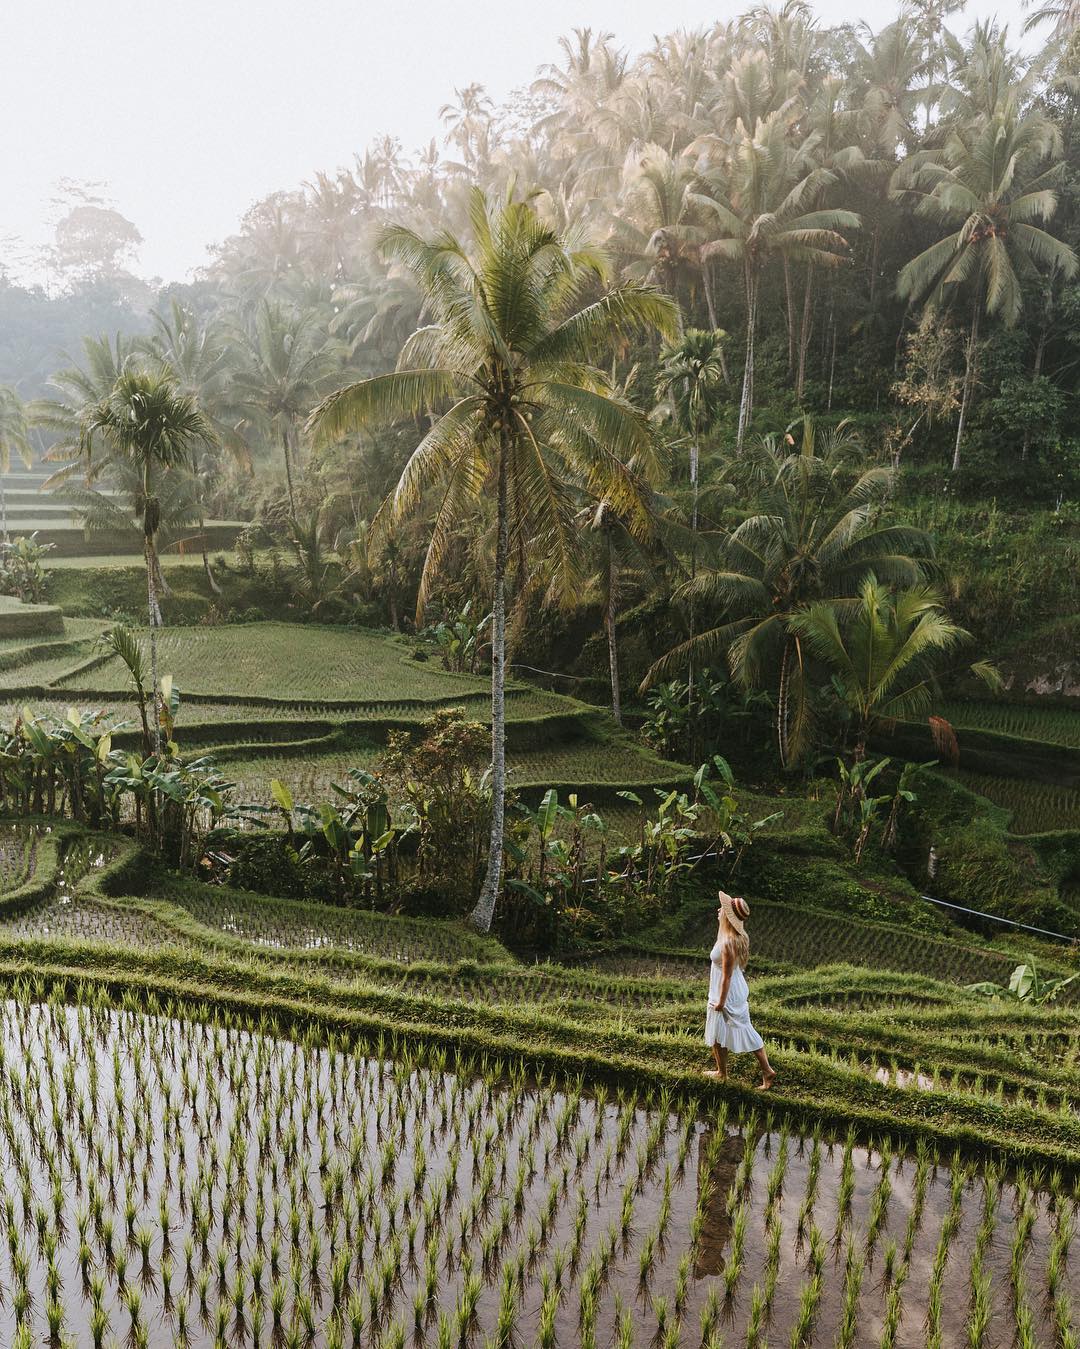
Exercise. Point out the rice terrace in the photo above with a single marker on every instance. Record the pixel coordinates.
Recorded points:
(540, 682)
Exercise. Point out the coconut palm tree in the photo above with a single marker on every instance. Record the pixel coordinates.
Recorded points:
(14, 436)
(691, 373)
(814, 538)
(288, 360)
(884, 652)
(659, 225)
(992, 188)
(146, 424)
(202, 363)
(118, 509)
(617, 555)
(890, 69)
(522, 414)
(1063, 14)
(764, 208)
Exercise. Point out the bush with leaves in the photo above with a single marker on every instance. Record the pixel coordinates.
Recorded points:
(1025, 985)
(72, 766)
(21, 571)
(570, 882)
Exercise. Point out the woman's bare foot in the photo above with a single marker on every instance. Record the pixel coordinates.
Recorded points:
(767, 1079)
(715, 1072)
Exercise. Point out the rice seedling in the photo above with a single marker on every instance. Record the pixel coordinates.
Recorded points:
(385, 1178)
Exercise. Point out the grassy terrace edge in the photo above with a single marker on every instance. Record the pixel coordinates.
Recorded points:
(836, 1098)
(243, 981)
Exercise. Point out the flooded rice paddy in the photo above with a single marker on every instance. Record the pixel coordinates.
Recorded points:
(165, 1181)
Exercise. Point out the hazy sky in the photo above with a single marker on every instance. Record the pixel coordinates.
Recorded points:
(191, 110)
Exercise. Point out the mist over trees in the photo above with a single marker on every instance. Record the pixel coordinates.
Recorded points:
(880, 222)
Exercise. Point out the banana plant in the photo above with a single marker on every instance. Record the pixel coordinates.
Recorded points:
(85, 740)
(855, 778)
(358, 835)
(459, 639)
(1025, 985)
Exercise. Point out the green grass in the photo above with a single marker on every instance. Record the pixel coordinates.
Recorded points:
(127, 562)
(804, 937)
(290, 661)
(229, 1160)
(310, 926)
(18, 620)
(312, 702)
(1055, 725)
(75, 629)
(576, 766)
(845, 1038)
(1035, 807)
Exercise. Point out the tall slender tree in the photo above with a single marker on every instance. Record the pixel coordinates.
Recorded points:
(146, 424)
(14, 438)
(765, 208)
(691, 374)
(503, 365)
(202, 363)
(992, 188)
(288, 361)
(814, 538)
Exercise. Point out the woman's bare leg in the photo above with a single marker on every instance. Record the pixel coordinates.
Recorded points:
(768, 1072)
(720, 1059)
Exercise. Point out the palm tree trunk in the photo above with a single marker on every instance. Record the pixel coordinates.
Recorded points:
(609, 629)
(288, 470)
(616, 700)
(3, 510)
(215, 589)
(1036, 371)
(873, 270)
(484, 911)
(395, 621)
(154, 610)
(746, 404)
(690, 681)
(706, 276)
(804, 332)
(783, 699)
(969, 378)
(789, 303)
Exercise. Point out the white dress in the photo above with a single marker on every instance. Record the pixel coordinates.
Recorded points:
(730, 1029)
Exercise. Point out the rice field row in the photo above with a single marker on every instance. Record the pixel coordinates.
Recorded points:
(1035, 807)
(171, 1181)
(805, 938)
(18, 853)
(75, 629)
(575, 765)
(1027, 721)
(289, 661)
(522, 704)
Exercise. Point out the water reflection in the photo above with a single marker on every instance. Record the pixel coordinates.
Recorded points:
(715, 1182)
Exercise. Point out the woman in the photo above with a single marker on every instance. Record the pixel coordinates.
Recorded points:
(727, 1023)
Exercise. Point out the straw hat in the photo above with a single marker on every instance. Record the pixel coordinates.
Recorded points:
(735, 910)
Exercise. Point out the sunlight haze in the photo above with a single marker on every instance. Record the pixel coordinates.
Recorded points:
(191, 112)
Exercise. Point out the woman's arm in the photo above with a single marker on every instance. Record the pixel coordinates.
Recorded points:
(727, 964)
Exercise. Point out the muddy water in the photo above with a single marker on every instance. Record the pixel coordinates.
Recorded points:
(66, 913)
(18, 846)
(220, 1148)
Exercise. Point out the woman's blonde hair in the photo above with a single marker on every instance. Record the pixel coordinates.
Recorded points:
(740, 945)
